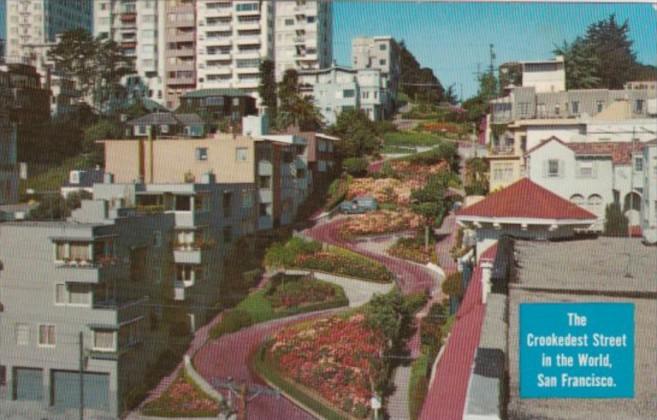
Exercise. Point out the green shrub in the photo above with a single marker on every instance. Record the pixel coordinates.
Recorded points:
(337, 191)
(342, 262)
(452, 285)
(233, 320)
(355, 166)
(409, 138)
(418, 385)
(284, 255)
(415, 301)
(616, 223)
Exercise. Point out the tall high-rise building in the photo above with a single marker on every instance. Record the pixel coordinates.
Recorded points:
(180, 50)
(232, 38)
(304, 35)
(33, 26)
(137, 26)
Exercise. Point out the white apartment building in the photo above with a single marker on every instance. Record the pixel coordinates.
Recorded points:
(337, 89)
(303, 35)
(379, 52)
(232, 38)
(33, 26)
(649, 203)
(138, 27)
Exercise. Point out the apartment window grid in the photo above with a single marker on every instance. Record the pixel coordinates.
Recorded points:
(103, 340)
(46, 335)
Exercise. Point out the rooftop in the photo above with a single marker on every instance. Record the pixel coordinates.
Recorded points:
(619, 152)
(525, 199)
(203, 93)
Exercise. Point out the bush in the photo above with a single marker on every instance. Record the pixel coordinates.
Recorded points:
(431, 330)
(281, 255)
(233, 320)
(342, 262)
(616, 223)
(443, 152)
(355, 166)
(337, 191)
(415, 301)
(452, 285)
(413, 249)
(409, 138)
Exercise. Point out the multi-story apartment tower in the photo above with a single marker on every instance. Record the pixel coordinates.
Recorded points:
(138, 27)
(304, 35)
(232, 38)
(33, 26)
(8, 152)
(180, 64)
(379, 52)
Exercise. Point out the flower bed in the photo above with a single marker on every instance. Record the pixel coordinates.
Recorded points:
(300, 292)
(338, 358)
(183, 398)
(300, 253)
(413, 249)
(380, 222)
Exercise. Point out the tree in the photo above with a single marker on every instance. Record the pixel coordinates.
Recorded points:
(610, 42)
(112, 65)
(267, 87)
(581, 64)
(429, 202)
(416, 82)
(510, 75)
(450, 95)
(478, 105)
(616, 223)
(358, 134)
(74, 57)
(476, 176)
(293, 109)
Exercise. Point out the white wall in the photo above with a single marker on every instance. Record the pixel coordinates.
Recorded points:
(649, 202)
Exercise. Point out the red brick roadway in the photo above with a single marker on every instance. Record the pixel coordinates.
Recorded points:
(229, 356)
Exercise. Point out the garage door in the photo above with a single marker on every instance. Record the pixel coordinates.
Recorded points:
(66, 389)
(29, 384)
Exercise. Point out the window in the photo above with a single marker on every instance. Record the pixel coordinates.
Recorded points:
(157, 275)
(104, 340)
(264, 209)
(553, 168)
(383, 62)
(157, 238)
(201, 153)
(585, 169)
(540, 110)
(247, 199)
(164, 128)
(227, 203)
(524, 108)
(246, 7)
(47, 335)
(214, 101)
(241, 154)
(228, 234)
(264, 182)
(638, 164)
(503, 172)
(60, 294)
(22, 334)
(599, 105)
(3, 375)
(79, 294)
(557, 109)
(575, 107)
(383, 47)
(348, 93)
(638, 108)
(289, 22)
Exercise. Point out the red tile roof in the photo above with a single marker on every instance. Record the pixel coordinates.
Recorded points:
(489, 254)
(525, 199)
(620, 152)
(448, 392)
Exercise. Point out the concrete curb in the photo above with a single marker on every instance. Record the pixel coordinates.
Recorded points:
(200, 381)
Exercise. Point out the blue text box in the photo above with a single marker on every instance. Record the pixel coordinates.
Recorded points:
(576, 350)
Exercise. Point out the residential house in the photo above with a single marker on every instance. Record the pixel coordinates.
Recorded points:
(526, 117)
(525, 210)
(94, 283)
(166, 124)
(219, 104)
(322, 158)
(337, 89)
(591, 175)
(80, 180)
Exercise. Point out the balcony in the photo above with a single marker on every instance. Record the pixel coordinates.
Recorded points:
(130, 17)
(507, 150)
(265, 195)
(188, 254)
(248, 25)
(191, 218)
(220, 41)
(178, 291)
(181, 52)
(112, 314)
(90, 273)
(219, 26)
(248, 40)
(181, 81)
(246, 54)
(184, 37)
(220, 55)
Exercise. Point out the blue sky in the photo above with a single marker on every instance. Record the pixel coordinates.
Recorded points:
(452, 38)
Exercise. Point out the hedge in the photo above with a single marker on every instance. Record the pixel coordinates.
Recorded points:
(418, 385)
(233, 320)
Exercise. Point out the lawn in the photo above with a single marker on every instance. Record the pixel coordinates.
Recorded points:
(410, 138)
(183, 398)
(52, 178)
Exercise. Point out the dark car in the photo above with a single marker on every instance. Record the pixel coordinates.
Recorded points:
(358, 205)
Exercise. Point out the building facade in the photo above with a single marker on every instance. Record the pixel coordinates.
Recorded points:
(33, 26)
(382, 53)
(180, 65)
(525, 118)
(219, 104)
(545, 75)
(8, 147)
(139, 29)
(303, 35)
(649, 202)
(232, 39)
(336, 89)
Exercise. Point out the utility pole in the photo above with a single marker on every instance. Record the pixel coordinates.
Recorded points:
(491, 68)
(81, 341)
(632, 162)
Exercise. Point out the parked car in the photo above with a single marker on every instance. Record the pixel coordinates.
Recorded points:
(358, 205)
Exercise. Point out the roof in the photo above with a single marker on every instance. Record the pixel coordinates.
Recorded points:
(203, 93)
(619, 152)
(88, 177)
(282, 138)
(328, 70)
(525, 199)
(449, 388)
(188, 119)
(155, 118)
